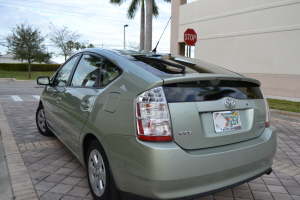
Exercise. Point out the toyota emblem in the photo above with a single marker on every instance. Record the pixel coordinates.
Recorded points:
(229, 102)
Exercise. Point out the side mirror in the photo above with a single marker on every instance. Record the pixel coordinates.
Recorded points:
(43, 80)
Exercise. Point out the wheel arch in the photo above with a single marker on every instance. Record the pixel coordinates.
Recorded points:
(41, 103)
(86, 141)
(88, 138)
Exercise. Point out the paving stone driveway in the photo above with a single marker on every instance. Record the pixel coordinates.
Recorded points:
(54, 173)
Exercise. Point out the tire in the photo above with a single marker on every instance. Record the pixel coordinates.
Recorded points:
(98, 171)
(41, 123)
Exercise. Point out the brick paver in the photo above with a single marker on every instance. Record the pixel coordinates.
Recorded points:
(42, 168)
(17, 170)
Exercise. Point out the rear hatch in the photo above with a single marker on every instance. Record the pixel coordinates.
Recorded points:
(214, 110)
(209, 106)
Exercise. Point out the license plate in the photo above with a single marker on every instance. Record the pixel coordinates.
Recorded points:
(227, 121)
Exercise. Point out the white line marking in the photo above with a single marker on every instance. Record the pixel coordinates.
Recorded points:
(36, 96)
(16, 98)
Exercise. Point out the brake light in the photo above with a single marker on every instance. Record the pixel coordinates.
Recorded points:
(268, 117)
(152, 116)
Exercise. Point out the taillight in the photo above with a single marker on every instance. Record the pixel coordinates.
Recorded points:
(152, 116)
(268, 117)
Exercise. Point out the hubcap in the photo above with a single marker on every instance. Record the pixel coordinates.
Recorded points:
(97, 172)
(41, 120)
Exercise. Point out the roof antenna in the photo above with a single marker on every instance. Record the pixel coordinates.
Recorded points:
(154, 50)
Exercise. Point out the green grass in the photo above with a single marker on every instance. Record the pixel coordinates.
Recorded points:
(20, 75)
(284, 105)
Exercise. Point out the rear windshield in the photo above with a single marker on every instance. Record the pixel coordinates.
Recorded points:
(211, 90)
(167, 66)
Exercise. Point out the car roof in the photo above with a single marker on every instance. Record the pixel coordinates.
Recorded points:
(133, 61)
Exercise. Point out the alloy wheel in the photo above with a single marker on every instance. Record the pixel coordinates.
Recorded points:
(97, 174)
(41, 120)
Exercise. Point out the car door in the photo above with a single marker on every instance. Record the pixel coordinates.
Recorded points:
(78, 97)
(53, 94)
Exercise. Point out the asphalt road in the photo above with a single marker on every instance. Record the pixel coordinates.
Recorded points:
(10, 87)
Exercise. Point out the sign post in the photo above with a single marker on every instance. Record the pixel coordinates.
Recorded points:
(190, 39)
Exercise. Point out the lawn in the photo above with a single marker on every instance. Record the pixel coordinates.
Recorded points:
(22, 75)
(284, 105)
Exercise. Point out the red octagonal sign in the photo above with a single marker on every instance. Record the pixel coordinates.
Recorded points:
(190, 37)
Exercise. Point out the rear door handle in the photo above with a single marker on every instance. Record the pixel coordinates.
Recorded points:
(85, 105)
(58, 99)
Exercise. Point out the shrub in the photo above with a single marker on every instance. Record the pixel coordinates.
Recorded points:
(24, 67)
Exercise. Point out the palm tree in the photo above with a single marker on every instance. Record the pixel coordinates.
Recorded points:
(132, 11)
(149, 7)
(148, 36)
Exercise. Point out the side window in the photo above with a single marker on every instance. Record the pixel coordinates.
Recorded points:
(64, 73)
(109, 72)
(87, 71)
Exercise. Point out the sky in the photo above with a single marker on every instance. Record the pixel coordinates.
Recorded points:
(99, 22)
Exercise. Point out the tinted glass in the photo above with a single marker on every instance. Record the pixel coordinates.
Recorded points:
(109, 72)
(211, 90)
(167, 66)
(63, 75)
(163, 65)
(87, 71)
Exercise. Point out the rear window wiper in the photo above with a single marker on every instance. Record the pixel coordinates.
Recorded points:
(159, 62)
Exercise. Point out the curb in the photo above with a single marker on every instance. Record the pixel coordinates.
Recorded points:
(13, 79)
(6, 78)
(285, 113)
(22, 80)
(6, 188)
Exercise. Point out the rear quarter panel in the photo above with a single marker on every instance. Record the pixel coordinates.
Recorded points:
(121, 121)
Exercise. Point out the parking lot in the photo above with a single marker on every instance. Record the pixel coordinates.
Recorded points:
(41, 167)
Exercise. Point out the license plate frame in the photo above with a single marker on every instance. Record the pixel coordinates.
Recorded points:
(227, 121)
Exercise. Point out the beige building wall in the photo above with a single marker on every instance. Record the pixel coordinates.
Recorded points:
(258, 38)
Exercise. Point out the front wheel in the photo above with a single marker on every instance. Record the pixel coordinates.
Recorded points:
(98, 171)
(41, 122)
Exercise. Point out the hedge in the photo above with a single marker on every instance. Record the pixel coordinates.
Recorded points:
(24, 67)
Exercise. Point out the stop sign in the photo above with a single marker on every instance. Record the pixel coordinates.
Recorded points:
(190, 37)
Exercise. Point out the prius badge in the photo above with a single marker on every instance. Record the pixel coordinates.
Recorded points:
(229, 102)
(185, 133)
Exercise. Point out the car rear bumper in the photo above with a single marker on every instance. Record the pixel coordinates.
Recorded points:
(158, 170)
(129, 196)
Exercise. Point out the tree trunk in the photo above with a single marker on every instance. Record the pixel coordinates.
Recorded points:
(142, 29)
(149, 11)
(29, 69)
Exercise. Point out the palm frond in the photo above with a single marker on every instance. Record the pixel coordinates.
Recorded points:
(169, 1)
(155, 9)
(133, 6)
(116, 2)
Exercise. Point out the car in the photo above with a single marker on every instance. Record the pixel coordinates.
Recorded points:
(156, 125)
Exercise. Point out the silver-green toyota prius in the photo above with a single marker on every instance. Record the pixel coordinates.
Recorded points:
(157, 126)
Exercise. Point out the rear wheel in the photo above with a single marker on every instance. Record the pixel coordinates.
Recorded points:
(41, 122)
(98, 171)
